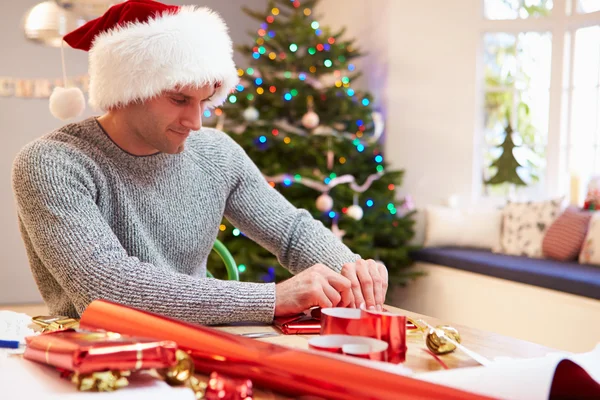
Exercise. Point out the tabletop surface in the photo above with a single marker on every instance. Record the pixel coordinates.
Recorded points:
(487, 344)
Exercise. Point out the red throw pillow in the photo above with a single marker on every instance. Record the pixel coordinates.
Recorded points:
(565, 236)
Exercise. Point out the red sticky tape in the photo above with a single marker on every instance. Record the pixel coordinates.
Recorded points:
(385, 326)
(356, 346)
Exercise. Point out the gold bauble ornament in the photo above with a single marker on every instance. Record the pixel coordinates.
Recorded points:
(180, 373)
(436, 341)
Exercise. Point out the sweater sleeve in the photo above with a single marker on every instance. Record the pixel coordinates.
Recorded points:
(296, 238)
(56, 202)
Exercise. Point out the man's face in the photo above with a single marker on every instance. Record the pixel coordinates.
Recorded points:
(164, 123)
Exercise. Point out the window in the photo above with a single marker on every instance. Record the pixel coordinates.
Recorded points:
(580, 149)
(541, 69)
(517, 84)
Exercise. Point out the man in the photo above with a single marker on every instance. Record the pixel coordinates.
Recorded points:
(126, 206)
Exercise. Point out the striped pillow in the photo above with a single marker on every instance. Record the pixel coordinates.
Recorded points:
(565, 236)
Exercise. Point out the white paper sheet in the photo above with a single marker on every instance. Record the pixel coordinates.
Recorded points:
(526, 379)
(24, 379)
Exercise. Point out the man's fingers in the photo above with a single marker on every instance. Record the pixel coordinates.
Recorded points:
(366, 283)
(349, 271)
(338, 281)
(347, 299)
(333, 295)
(377, 285)
(383, 272)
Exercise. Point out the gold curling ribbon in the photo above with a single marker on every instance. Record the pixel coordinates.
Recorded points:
(182, 374)
(105, 381)
(57, 323)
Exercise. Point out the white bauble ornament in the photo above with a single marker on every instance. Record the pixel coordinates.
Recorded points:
(250, 114)
(324, 202)
(310, 120)
(355, 212)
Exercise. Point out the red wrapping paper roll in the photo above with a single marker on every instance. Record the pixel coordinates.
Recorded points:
(289, 371)
(391, 328)
(86, 352)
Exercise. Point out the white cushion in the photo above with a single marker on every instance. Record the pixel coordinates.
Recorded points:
(476, 228)
(524, 225)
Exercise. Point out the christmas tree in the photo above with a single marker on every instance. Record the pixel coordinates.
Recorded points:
(316, 140)
(506, 164)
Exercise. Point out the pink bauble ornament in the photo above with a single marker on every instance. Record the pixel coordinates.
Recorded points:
(355, 212)
(310, 120)
(324, 202)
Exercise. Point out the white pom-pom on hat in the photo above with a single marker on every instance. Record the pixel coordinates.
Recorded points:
(67, 103)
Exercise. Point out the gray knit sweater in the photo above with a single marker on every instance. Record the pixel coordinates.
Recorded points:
(100, 223)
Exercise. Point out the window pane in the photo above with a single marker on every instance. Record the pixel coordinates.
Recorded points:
(588, 6)
(536, 8)
(500, 59)
(533, 117)
(501, 9)
(583, 117)
(581, 158)
(534, 54)
(587, 57)
(517, 74)
(513, 9)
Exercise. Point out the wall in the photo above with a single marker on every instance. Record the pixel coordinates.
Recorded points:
(23, 120)
(423, 67)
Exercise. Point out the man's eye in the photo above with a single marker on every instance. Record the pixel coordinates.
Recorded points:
(178, 101)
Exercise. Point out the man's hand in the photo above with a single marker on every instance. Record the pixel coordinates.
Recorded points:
(369, 283)
(315, 286)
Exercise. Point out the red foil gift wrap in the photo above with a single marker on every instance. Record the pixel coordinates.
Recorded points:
(293, 372)
(302, 324)
(221, 387)
(391, 328)
(85, 352)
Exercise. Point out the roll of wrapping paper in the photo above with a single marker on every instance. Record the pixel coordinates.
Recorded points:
(282, 369)
(86, 352)
(391, 328)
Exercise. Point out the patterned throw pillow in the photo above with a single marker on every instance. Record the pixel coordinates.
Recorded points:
(590, 251)
(565, 236)
(524, 226)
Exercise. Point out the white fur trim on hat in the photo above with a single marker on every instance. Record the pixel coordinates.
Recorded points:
(138, 61)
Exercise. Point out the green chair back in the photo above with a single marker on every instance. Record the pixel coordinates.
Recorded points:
(230, 265)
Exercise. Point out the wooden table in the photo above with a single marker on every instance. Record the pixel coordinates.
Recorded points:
(488, 344)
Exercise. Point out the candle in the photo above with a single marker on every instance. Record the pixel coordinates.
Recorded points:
(575, 195)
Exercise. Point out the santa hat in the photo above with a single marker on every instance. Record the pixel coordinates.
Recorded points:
(140, 48)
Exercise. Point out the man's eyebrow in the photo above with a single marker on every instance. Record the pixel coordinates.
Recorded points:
(173, 93)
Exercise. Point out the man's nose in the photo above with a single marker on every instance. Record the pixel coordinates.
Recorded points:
(192, 118)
